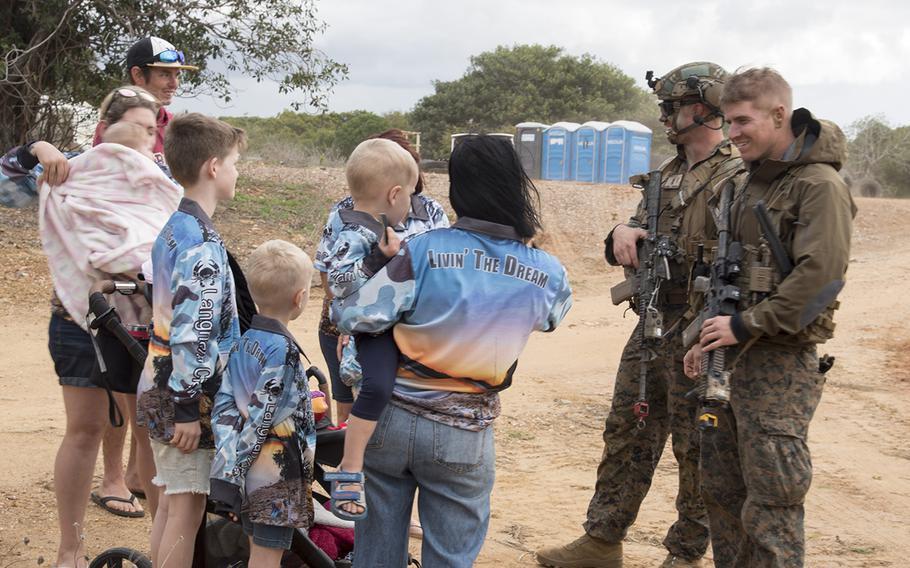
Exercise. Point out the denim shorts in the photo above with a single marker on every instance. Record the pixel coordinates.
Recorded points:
(267, 536)
(329, 345)
(72, 352)
(178, 472)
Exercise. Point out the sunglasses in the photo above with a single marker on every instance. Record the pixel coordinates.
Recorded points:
(170, 56)
(125, 92)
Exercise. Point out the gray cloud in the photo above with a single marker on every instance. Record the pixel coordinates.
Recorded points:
(844, 59)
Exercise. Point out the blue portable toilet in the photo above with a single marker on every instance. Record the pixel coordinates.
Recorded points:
(589, 144)
(627, 151)
(558, 143)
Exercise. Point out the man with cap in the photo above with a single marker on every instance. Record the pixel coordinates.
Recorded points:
(154, 64)
(689, 100)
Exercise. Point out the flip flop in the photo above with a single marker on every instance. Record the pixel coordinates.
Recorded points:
(103, 503)
(138, 493)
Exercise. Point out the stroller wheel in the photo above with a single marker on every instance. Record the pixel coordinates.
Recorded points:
(120, 557)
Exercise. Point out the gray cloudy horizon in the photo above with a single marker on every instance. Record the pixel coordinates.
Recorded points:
(845, 60)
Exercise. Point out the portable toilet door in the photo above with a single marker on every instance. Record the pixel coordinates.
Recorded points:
(558, 141)
(614, 154)
(529, 146)
(638, 150)
(589, 143)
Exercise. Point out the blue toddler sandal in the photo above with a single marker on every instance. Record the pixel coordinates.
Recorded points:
(343, 496)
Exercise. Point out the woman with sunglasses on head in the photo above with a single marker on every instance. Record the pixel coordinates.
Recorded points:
(115, 216)
(463, 302)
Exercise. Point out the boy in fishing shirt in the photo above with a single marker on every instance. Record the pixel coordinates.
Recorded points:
(195, 326)
(263, 422)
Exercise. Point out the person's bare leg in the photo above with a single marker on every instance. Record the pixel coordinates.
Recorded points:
(262, 557)
(113, 483)
(184, 515)
(131, 475)
(342, 411)
(159, 520)
(86, 419)
(145, 461)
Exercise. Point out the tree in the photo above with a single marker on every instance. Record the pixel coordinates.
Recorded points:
(880, 153)
(526, 82)
(59, 54)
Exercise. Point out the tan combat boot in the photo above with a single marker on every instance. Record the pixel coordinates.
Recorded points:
(585, 552)
(672, 561)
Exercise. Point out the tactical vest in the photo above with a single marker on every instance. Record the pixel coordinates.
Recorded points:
(684, 211)
(760, 275)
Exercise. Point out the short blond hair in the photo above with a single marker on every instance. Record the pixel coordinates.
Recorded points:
(127, 134)
(275, 271)
(376, 165)
(762, 86)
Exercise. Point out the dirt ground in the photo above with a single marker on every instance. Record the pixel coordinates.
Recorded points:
(549, 435)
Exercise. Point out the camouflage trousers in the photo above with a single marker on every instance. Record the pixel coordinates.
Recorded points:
(631, 454)
(755, 466)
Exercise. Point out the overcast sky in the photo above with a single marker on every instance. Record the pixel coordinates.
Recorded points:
(845, 60)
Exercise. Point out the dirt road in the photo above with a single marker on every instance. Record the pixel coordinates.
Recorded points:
(548, 438)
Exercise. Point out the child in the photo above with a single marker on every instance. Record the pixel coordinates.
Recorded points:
(194, 327)
(132, 136)
(263, 415)
(381, 177)
(425, 214)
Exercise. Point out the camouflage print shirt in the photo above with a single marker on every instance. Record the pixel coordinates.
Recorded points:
(426, 213)
(194, 325)
(265, 434)
(463, 302)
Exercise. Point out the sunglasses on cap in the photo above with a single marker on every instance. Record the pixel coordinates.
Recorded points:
(170, 56)
(125, 92)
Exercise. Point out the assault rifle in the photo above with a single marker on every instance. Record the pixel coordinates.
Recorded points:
(654, 252)
(721, 298)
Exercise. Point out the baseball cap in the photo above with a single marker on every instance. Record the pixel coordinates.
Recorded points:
(156, 52)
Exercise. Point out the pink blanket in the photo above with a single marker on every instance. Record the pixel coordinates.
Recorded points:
(103, 221)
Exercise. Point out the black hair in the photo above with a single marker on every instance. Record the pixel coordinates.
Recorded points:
(487, 182)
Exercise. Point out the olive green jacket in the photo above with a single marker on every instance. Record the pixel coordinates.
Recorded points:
(812, 211)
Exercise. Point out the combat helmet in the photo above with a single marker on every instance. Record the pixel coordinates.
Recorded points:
(696, 82)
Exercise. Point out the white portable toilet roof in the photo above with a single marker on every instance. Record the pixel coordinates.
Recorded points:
(570, 126)
(631, 125)
(531, 125)
(598, 125)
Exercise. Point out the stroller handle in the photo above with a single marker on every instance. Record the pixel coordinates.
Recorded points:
(107, 316)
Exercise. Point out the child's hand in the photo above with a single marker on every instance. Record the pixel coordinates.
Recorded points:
(186, 436)
(391, 244)
(343, 341)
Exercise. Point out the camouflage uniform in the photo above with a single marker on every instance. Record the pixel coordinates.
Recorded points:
(755, 465)
(631, 454)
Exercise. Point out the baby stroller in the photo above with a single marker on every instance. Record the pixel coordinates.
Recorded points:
(219, 542)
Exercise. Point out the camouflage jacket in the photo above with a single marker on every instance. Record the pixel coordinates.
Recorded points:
(685, 214)
(194, 325)
(463, 302)
(426, 213)
(812, 211)
(265, 435)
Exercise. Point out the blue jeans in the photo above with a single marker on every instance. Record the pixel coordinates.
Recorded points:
(454, 470)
